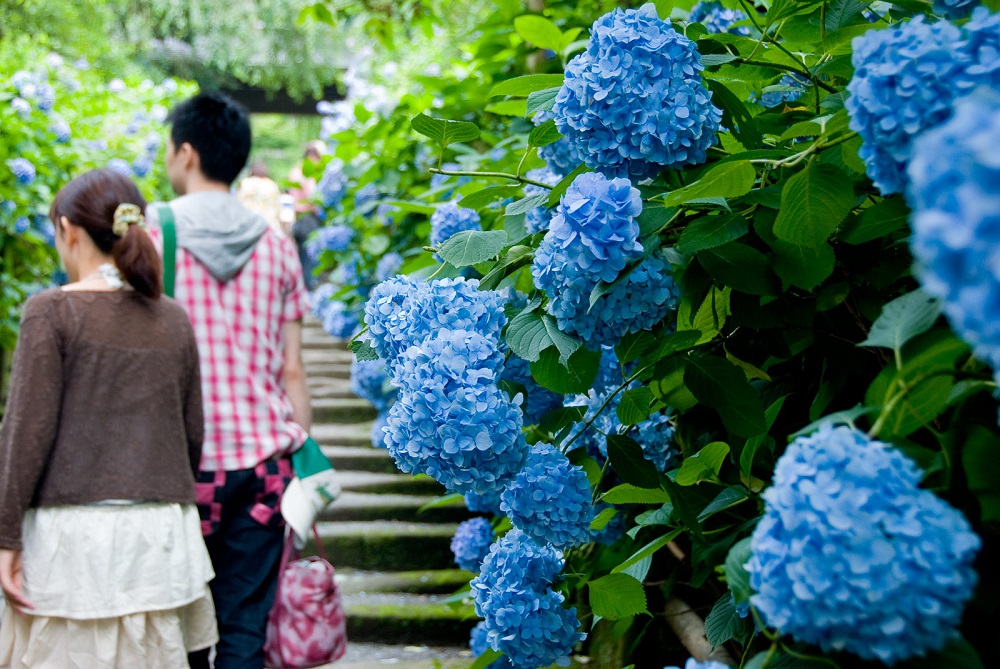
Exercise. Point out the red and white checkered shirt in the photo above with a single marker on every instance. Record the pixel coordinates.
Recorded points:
(239, 328)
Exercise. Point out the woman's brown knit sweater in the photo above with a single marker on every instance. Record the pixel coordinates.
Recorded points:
(105, 404)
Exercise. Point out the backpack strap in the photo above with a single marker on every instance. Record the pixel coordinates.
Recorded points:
(169, 247)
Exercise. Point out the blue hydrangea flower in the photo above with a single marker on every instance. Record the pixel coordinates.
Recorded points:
(121, 166)
(609, 371)
(332, 238)
(364, 196)
(319, 298)
(402, 311)
(22, 225)
(954, 9)
(905, 79)
(45, 98)
(61, 130)
(21, 106)
(695, 664)
(116, 86)
(718, 19)
(982, 44)
(852, 555)
(338, 321)
(449, 218)
(370, 381)
(656, 436)
(538, 218)
(378, 430)
(633, 103)
(450, 360)
(488, 502)
(954, 192)
(592, 237)
(471, 543)
(22, 169)
(388, 266)
(469, 440)
(788, 89)
(333, 184)
(560, 156)
(550, 499)
(538, 400)
(478, 645)
(523, 617)
(142, 166)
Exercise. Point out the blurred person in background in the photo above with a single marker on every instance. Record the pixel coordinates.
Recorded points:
(260, 194)
(307, 213)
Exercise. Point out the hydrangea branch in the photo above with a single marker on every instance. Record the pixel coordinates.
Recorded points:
(490, 175)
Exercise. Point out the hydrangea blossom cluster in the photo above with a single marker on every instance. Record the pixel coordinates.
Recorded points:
(655, 434)
(23, 170)
(21, 106)
(560, 156)
(478, 645)
(365, 196)
(319, 298)
(692, 663)
(550, 499)
(488, 502)
(370, 381)
(378, 430)
(718, 19)
(333, 184)
(906, 79)
(121, 166)
(388, 266)
(449, 218)
(524, 617)
(332, 238)
(22, 225)
(339, 321)
(633, 103)
(537, 219)
(592, 237)
(788, 89)
(402, 311)
(852, 555)
(471, 543)
(954, 192)
(452, 421)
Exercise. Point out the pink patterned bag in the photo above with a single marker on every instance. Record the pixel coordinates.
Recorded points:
(306, 626)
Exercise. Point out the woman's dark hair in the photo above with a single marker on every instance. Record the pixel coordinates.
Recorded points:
(218, 129)
(90, 201)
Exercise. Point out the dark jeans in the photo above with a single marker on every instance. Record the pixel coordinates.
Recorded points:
(244, 535)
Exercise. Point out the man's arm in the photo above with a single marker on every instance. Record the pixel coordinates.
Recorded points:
(296, 384)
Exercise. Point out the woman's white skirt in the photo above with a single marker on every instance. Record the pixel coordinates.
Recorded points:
(114, 586)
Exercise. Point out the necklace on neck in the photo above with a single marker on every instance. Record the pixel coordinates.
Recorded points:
(109, 273)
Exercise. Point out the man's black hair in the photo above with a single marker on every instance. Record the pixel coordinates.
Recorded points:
(217, 128)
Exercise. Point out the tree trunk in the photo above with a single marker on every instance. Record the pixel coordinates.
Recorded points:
(690, 629)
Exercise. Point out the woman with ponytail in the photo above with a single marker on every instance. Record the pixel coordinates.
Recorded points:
(101, 557)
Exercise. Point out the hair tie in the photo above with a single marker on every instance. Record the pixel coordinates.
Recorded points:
(125, 215)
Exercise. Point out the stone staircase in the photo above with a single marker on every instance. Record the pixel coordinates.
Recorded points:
(394, 564)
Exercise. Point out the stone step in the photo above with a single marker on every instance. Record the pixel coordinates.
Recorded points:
(387, 545)
(361, 655)
(342, 434)
(311, 356)
(400, 484)
(320, 368)
(334, 410)
(318, 338)
(401, 618)
(385, 506)
(321, 387)
(360, 458)
(441, 581)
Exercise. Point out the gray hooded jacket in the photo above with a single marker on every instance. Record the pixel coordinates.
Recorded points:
(216, 229)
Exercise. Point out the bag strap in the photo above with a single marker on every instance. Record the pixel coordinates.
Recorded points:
(320, 549)
(169, 229)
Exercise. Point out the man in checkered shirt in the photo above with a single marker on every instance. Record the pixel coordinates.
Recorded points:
(242, 286)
